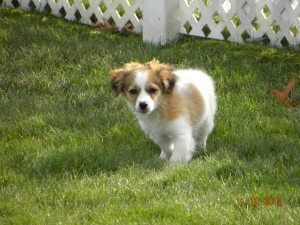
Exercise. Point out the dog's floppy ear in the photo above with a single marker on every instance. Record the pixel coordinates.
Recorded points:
(117, 79)
(165, 74)
(168, 79)
(119, 76)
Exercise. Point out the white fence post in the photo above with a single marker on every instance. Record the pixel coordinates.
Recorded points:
(160, 21)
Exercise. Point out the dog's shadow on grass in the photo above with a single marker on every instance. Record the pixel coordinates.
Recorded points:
(141, 152)
(116, 145)
(93, 160)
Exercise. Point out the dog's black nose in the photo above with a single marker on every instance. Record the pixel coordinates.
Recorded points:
(143, 105)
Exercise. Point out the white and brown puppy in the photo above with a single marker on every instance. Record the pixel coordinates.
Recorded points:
(176, 108)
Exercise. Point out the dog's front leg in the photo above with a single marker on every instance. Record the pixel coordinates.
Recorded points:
(165, 144)
(184, 145)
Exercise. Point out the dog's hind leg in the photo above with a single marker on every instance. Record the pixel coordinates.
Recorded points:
(203, 132)
(201, 141)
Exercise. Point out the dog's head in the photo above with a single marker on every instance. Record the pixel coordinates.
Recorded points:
(143, 84)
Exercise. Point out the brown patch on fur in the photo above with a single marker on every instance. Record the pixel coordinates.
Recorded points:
(171, 107)
(195, 103)
(131, 98)
(154, 82)
(162, 74)
(161, 77)
(191, 103)
(123, 77)
(156, 94)
(155, 65)
(134, 66)
(120, 79)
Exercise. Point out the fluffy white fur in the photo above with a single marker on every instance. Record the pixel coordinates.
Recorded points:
(177, 138)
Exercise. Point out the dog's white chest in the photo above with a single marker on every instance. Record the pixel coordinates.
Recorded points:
(148, 125)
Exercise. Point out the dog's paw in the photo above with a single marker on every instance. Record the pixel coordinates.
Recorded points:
(163, 156)
(180, 158)
(202, 145)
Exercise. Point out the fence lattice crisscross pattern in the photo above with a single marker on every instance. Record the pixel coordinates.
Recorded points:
(118, 12)
(275, 21)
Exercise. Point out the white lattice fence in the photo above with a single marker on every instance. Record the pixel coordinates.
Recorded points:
(118, 12)
(273, 21)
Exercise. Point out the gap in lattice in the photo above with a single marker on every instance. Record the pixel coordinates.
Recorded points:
(206, 30)
(216, 17)
(265, 39)
(15, 3)
(93, 18)
(131, 2)
(102, 7)
(245, 35)
(62, 12)
(187, 26)
(189, 2)
(275, 27)
(86, 4)
(47, 8)
(78, 16)
(71, 2)
(236, 20)
(207, 3)
(284, 42)
(266, 11)
(111, 21)
(294, 4)
(128, 28)
(32, 6)
(120, 10)
(225, 33)
(255, 24)
(138, 13)
(197, 14)
(226, 6)
(294, 31)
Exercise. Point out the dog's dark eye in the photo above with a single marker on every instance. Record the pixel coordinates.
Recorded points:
(133, 91)
(152, 90)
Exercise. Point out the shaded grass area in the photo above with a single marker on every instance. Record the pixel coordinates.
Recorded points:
(71, 153)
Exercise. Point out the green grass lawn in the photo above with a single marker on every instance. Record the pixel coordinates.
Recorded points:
(71, 153)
